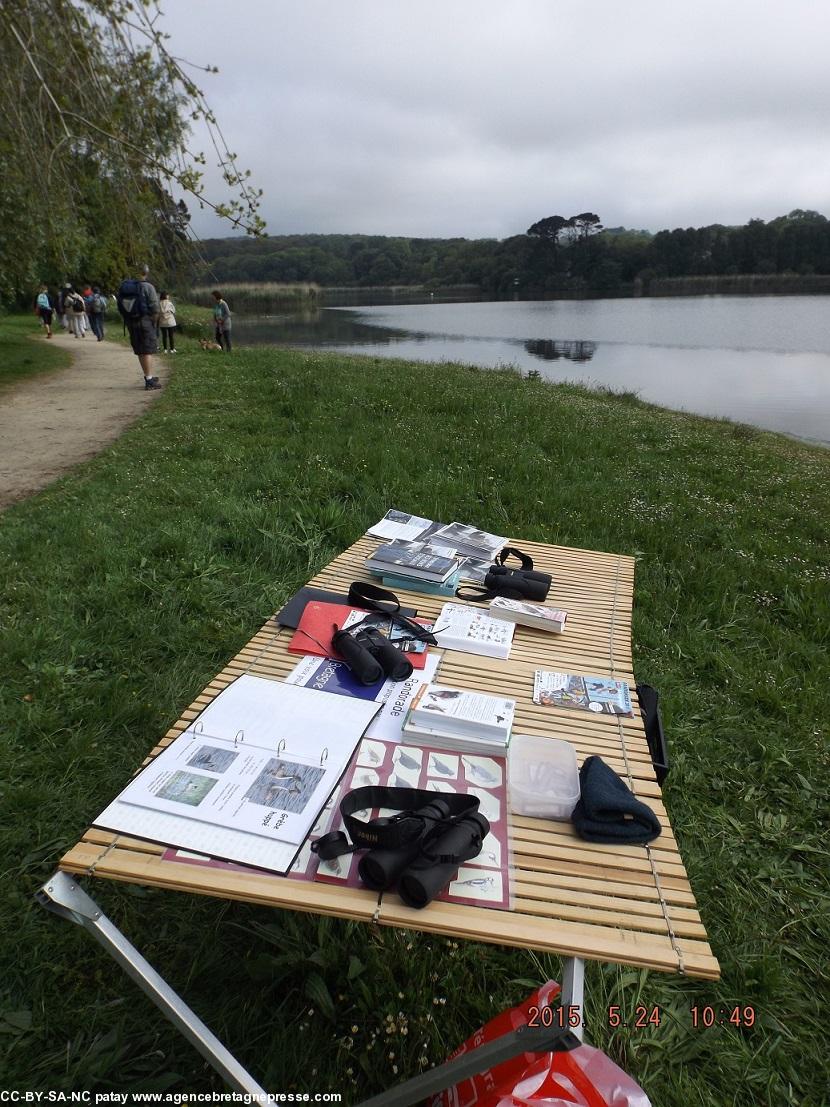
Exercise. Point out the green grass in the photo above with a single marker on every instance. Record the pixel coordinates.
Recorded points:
(126, 586)
(25, 350)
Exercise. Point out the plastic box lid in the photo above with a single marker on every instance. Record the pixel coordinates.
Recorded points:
(543, 775)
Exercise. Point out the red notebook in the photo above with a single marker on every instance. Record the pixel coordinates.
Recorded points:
(316, 627)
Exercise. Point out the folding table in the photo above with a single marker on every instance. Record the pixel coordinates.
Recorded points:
(632, 905)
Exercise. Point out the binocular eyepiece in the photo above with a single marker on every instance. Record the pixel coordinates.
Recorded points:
(371, 656)
(426, 865)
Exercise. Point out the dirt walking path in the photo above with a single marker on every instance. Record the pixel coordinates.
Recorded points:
(52, 422)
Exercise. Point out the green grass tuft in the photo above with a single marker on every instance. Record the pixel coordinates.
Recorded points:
(25, 351)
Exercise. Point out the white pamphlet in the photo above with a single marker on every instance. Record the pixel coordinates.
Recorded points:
(398, 524)
(393, 696)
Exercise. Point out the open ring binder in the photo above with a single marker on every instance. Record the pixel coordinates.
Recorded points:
(268, 757)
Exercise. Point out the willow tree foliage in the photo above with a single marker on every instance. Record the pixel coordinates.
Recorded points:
(94, 142)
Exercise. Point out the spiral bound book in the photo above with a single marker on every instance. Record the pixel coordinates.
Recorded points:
(247, 779)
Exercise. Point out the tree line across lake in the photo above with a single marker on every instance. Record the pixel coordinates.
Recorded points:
(556, 255)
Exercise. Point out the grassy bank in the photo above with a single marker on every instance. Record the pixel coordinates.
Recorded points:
(129, 584)
(19, 355)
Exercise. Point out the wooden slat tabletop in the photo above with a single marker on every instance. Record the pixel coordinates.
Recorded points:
(628, 904)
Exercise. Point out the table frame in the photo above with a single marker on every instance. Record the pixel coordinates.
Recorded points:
(63, 896)
(630, 905)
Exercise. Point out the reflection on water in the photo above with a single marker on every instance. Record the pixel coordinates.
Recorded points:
(312, 327)
(761, 360)
(549, 350)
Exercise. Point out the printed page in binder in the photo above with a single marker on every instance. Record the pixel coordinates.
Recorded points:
(483, 880)
(248, 779)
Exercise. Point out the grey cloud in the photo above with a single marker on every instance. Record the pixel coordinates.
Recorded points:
(476, 118)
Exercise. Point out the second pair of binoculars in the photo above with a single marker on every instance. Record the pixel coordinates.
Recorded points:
(424, 867)
(517, 584)
(370, 655)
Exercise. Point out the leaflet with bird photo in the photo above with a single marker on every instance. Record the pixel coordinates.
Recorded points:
(598, 694)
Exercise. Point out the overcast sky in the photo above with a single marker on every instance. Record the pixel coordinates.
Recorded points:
(475, 118)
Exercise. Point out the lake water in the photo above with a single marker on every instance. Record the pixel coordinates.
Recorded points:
(763, 360)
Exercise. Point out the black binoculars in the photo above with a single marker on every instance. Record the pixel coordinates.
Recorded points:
(370, 655)
(514, 584)
(424, 867)
(517, 584)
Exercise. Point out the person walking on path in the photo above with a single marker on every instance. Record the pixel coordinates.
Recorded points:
(167, 323)
(44, 309)
(61, 305)
(75, 309)
(97, 309)
(138, 304)
(221, 320)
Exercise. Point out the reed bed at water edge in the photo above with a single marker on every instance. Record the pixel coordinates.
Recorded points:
(257, 299)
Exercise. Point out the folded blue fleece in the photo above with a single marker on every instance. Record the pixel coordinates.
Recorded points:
(607, 811)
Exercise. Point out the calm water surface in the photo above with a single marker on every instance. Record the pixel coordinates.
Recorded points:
(763, 360)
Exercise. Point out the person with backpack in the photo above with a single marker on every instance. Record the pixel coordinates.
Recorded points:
(167, 323)
(75, 309)
(44, 309)
(97, 308)
(61, 306)
(138, 305)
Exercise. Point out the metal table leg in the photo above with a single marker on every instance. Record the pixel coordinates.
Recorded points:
(63, 896)
(526, 1039)
(573, 991)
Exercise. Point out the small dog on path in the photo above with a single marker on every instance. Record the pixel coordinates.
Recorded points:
(208, 344)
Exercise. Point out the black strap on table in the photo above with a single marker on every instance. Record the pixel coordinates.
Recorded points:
(389, 832)
(477, 593)
(380, 601)
(373, 597)
(511, 551)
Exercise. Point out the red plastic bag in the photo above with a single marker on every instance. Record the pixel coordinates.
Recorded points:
(582, 1076)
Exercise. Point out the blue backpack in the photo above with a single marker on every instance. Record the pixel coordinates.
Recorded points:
(132, 301)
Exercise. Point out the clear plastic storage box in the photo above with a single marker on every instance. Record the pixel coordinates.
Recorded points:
(544, 779)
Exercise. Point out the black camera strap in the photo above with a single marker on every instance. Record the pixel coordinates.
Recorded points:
(380, 601)
(373, 597)
(480, 593)
(389, 832)
(511, 551)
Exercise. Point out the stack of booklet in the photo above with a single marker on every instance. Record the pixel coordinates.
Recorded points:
(470, 541)
(458, 720)
(418, 561)
(472, 548)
